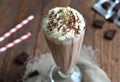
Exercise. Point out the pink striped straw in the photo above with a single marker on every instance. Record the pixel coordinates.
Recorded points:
(13, 30)
(9, 45)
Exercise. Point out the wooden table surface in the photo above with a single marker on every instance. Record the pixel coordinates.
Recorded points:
(14, 11)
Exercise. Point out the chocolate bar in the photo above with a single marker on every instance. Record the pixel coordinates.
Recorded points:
(112, 18)
(117, 19)
(104, 7)
(21, 58)
(110, 34)
(116, 7)
(108, 9)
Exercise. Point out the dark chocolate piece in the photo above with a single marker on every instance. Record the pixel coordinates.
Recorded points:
(112, 17)
(33, 74)
(98, 23)
(117, 7)
(110, 34)
(106, 5)
(21, 58)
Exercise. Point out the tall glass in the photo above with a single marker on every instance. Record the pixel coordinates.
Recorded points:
(65, 54)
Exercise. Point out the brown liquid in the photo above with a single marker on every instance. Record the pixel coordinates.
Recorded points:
(65, 53)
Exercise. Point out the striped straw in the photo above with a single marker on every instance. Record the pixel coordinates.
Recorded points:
(15, 42)
(13, 30)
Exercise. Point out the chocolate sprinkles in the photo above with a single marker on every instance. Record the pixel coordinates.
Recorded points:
(67, 20)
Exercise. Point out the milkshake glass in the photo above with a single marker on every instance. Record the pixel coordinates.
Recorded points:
(64, 29)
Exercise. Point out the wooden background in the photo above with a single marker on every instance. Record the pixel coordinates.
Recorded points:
(14, 11)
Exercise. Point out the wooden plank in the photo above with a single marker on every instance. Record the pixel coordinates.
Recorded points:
(102, 46)
(105, 48)
(26, 8)
(115, 66)
(94, 37)
(6, 23)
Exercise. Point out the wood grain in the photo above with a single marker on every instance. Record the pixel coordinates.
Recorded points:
(14, 11)
(25, 10)
(6, 23)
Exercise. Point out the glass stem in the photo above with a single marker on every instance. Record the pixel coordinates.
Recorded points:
(64, 75)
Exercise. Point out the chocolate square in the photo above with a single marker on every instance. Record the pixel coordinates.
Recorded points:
(98, 23)
(117, 7)
(110, 34)
(111, 19)
(106, 5)
(21, 58)
(33, 74)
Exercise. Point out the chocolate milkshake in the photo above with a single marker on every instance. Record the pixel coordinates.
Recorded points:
(64, 29)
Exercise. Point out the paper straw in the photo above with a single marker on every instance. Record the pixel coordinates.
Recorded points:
(13, 30)
(15, 42)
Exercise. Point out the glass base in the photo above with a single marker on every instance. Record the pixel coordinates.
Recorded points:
(57, 76)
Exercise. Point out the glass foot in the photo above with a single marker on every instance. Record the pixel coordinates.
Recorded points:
(75, 76)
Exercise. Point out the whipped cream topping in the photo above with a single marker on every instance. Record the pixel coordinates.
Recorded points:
(63, 23)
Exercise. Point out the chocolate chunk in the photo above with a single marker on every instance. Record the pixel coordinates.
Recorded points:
(21, 58)
(112, 17)
(117, 7)
(33, 74)
(106, 5)
(110, 34)
(98, 23)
